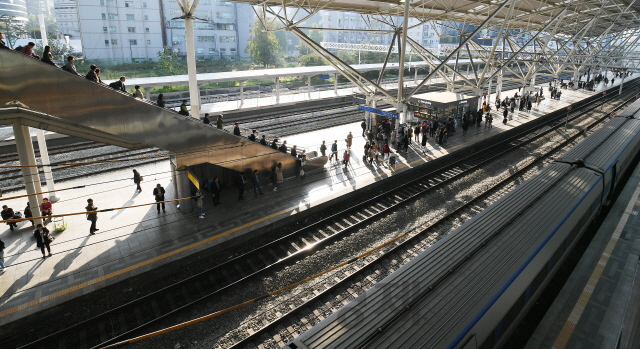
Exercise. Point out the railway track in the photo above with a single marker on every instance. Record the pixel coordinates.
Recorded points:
(134, 316)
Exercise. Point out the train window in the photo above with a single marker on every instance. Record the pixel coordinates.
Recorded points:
(537, 281)
(573, 234)
(558, 254)
(595, 205)
(488, 343)
(585, 219)
(497, 332)
(511, 315)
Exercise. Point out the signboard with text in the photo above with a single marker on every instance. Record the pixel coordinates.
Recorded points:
(379, 112)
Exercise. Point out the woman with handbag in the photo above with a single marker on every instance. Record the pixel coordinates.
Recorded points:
(137, 178)
(43, 239)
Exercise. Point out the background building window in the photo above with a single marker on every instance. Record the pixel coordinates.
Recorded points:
(178, 38)
(104, 29)
(225, 15)
(199, 50)
(227, 39)
(114, 41)
(146, 18)
(206, 38)
(112, 29)
(133, 42)
(131, 29)
(148, 42)
(101, 2)
(128, 4)
(212, 50)
(131, 18)
(146, 30)
(144, 4)
(112, 16)
(106, 43)
(104, 16)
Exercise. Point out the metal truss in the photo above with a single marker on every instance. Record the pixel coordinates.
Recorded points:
(528, 37)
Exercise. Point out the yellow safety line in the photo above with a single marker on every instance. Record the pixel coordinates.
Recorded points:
(581, 304)
(133, 267)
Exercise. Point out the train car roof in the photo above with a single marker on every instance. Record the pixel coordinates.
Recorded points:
(403, 312)
(631, 110)
(608, 152)
(582, 150)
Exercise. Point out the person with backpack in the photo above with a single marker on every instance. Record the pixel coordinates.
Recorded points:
(137, 178)
(43, 239)
(28, 50)
(334, 151)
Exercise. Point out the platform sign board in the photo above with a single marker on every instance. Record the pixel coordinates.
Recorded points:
(569, 108)
(324, 77)
(604, 93)
(379, 112)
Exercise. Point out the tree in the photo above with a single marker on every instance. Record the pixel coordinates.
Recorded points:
(168, 63)
(282, 40)
(263, 46)
(315, 35)
(12, 29)
(59, 50)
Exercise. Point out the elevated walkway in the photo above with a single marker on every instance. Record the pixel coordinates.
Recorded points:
(135, 241)
(599, 305)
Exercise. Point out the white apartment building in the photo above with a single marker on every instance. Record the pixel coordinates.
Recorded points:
(423, 34)
(66, 13)
(225, 33)
(118, 31)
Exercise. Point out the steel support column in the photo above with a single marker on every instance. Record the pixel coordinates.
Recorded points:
(44, 157)
(622, 82)
(335, 83)
(27, 158)
(402, 50)
(277, 90)
(309, 86)
(194, 94)
(241, 93)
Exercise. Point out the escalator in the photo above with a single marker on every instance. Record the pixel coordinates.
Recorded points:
(59, 101)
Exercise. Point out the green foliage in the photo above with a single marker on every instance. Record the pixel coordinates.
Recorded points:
(59, 49)
(168, 63)
(263, 46)
(282, 40)
(312, 59)
(315, 35)
(12, 29)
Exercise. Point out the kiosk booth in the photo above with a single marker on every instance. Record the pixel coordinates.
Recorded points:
(442, 105)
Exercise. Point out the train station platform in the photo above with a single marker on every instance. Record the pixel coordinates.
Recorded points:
(133, 241)
(599, 305)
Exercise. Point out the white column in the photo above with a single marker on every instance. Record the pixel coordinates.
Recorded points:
(147, 92)
(499, 84)
(621, 83)
(489, 88)
(415, 72)
(44, 157)
(241, 93)
(576, 78)
(309, 86)
(43, 30)
(27, 158)
(191, 68)
(335, 83)
(277, 90)
(402, 51)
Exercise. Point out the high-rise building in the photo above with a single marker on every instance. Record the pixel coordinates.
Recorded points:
(36, 7)
(120, 31)
(14, 8)
(223, 31)
(66, 13)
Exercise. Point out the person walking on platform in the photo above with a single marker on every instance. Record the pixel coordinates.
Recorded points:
(424, 140)
(137, 178)
(242, 182)
(46, 208)
(158, 193)
(283, 147)
(364, 126)
(349, 140)
(7, 213)
(29, 214)
(216, 189)
(93, 216)
(43, 239)
(323, 149)
(219, 122)
(334, 151)
(409, 135)
(345, 158)
(538, 99)
(236, 130)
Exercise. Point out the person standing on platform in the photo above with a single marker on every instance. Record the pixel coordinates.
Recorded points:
(394, 138)
(158, 193)
(256, 183)
(43, 239)
(538, 99)
(425, 129)
(7, 213)
(273, 176)
(93, 217)
(137, 178)
(303, 163)
(386, 151)
(241, 184)
(219, 122)
(424, 140)
(505, 114)
(345, 158)
(465, 127)
(206, 119)
(323, 149)
(334, 151)
(294, 152)
(409, 135)
(216, 189)
(349, 140)
(279, 173)
(263, 140)
(364, 127)
(236, 130)
(2, 256)
(29, 214)
(199, 196)
(416, 133)
(274, 144)
(528, 106)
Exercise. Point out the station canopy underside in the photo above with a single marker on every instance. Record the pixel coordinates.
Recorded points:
(530, 14)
